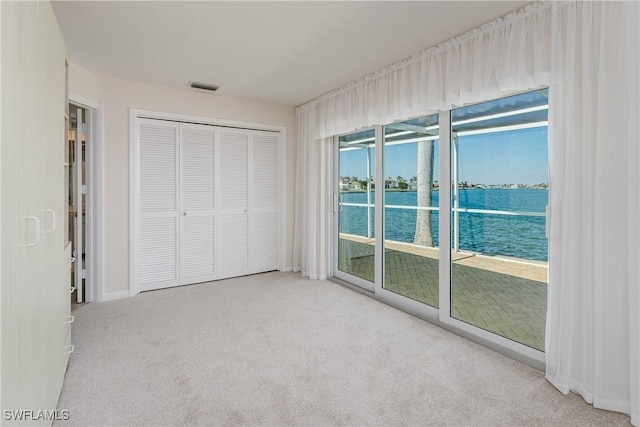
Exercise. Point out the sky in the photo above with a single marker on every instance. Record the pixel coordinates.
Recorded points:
(513, 157)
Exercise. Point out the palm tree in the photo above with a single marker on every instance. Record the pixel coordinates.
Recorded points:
(423, 235)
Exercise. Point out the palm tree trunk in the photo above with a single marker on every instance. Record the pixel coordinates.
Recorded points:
(424, 235)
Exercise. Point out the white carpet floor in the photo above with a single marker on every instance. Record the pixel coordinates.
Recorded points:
(277, 349)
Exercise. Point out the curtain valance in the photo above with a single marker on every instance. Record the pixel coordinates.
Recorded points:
(506, 55)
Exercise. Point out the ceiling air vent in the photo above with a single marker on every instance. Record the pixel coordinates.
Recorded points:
(203, 86)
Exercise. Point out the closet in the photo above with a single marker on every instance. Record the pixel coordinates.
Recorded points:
(206, 203)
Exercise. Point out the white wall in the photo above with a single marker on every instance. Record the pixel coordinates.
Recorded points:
(34, 289)
(83, 82)
(117, 97)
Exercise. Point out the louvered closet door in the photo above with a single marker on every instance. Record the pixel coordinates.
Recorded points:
(233, 203)
(157, 243)
(197, 219)
(265, 201)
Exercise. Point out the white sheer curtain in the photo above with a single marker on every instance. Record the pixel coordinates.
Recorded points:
(588, 53)
(503, 56)
(593, 327)
(310, 231)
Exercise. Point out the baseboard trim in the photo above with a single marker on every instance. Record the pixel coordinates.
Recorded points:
(287, 269)
(115, 295)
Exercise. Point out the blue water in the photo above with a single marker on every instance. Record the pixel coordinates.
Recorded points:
(517, 236)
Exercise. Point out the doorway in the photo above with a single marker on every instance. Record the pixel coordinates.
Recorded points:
(471, 254)
(81, 135)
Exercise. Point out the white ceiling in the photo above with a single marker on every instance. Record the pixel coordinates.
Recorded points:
(283, 52)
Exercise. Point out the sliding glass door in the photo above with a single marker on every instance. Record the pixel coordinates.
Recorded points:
(500, 193)
(411, 254)
(461, 199)
(355, 193)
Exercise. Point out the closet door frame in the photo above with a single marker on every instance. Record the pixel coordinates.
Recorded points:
(134, 116)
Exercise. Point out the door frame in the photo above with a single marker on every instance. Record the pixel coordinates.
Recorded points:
(94, 231)
(136, 114)
(334, 218)
(442, 316)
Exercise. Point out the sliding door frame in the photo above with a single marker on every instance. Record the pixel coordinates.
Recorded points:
(399, 301)
(439, 316)
(334, 252)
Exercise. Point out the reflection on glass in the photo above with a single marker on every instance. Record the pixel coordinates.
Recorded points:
(411, 256)
(499, 194)
(356, 226)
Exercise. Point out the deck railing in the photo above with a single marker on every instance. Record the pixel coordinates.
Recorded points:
(456, 216)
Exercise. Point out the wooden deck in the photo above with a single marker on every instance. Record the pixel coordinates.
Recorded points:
(502, 295)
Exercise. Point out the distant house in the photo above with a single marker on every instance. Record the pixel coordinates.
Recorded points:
(390, 183)
(348, 184)
(354, 185)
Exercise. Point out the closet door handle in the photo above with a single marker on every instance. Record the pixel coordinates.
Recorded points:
(35, 222)
(70, 349)
(72, 289)
(52, 214)
(69, 320)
